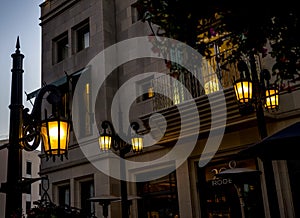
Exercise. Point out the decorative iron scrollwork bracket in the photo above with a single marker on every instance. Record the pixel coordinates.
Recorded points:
(31, 137)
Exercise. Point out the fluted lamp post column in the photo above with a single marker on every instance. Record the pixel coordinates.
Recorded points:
(108, 140)
(26, 131)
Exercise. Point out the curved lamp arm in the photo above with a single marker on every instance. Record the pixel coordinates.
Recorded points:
(135, 126)
(32, 122)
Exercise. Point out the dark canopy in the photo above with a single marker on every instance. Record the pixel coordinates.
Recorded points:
(282, 145)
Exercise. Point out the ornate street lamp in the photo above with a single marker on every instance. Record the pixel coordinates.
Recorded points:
(26, 131)
(53, 130)
(105, 139)
(243, 91)
(272, 98)
(55, 134)
(256, 94)
(248, 93)
(109, 139)
(137, 143)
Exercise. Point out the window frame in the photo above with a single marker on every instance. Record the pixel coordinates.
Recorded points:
(87, 206)
(79, 31)
(153, 191)
(143, 85)
(135, 14)
(64, 188)
(28, 205)
(60, 49)
(28, 170)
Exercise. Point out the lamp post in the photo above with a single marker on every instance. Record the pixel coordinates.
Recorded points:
(26, 131)
(109, 139)
(251, 90)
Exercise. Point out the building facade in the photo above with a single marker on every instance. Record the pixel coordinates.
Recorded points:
(74, 35)
(30, 169)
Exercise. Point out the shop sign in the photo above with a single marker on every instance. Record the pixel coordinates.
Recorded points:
(218, 182)
(222, 181)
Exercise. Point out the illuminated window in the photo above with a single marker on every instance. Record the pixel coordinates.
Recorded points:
(178, 89)
(211, 68)
(210, 79)
(84, 98)
(87, 101)
(145, 89)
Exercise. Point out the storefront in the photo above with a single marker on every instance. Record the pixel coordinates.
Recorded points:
(281, 147)
(158, 198)
(232, 196)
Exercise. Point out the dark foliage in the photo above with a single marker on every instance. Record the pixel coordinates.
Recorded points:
(49, 210)
(250, 25)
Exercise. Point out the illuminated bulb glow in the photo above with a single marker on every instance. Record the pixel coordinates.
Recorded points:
(150, 92)
(243, 91)
(105, 143)
(271, 99)
(137, 144)
(55, 147)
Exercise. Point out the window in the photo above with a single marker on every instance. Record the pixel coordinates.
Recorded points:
(84, 97)
(174, 88)
(159, 197)
(213, 68)
(135, 15)
(28, 167)
(145, 89)
(28, 205)
(64, 195)
(87, 191)
(27, 189)
(60, 48)
(81, 36)
(221, 197)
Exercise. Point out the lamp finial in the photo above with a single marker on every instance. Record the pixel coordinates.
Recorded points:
(18, 45)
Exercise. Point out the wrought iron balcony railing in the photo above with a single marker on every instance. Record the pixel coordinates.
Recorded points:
(214, 76)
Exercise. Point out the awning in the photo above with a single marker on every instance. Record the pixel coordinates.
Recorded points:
(282, 145)
(57, 83)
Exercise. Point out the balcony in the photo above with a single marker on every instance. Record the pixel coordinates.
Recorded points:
(212, 77)
(209, 94)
